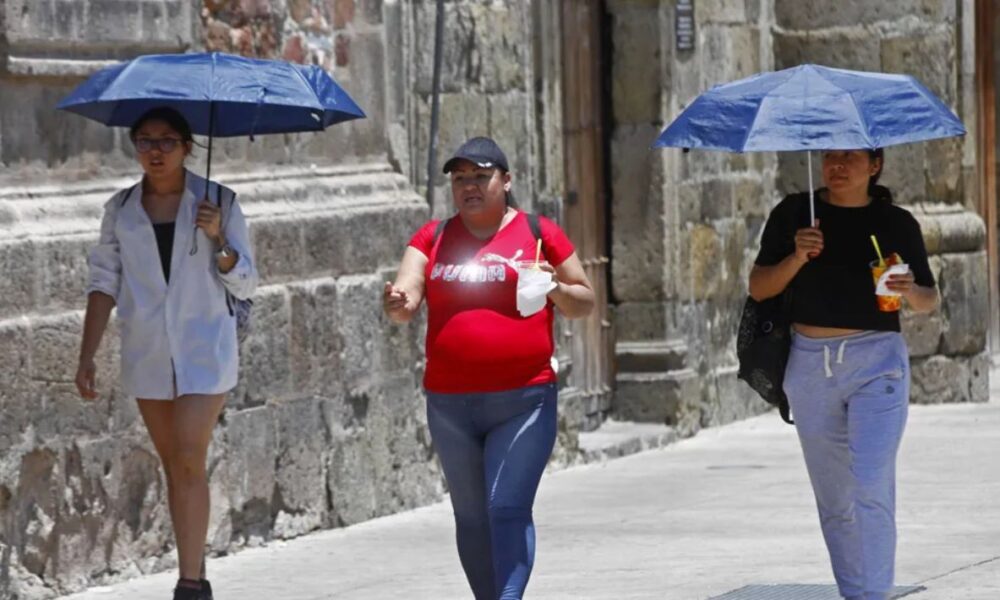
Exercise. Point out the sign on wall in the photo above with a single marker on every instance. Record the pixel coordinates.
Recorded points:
(684, 25)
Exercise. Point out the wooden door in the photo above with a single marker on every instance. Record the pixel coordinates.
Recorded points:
(585, 205)
(987, 66)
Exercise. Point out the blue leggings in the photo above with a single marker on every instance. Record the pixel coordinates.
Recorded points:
(493, 448)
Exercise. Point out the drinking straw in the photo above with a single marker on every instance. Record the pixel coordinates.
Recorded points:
(538, 252)
(881, 261)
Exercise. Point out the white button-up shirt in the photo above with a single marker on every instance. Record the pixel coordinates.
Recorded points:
(182, 331)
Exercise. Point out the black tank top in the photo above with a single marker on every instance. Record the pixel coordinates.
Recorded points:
(165, 244)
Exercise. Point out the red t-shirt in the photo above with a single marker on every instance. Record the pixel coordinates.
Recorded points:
(476, 339)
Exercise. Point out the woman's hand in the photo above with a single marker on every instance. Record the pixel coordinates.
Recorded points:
(86, 379)
(808, 242)
(209, 219)
(901, 283)
(395, 301)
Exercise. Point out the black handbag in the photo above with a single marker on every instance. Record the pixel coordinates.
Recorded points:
(763, 342)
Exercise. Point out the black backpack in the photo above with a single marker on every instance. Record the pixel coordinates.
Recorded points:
(763, 342)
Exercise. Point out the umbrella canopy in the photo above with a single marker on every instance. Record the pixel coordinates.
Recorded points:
(219, 94)
(811, 107)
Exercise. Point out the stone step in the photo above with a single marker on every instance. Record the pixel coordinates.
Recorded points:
(615, 439)
(665, 397)
(651, 356)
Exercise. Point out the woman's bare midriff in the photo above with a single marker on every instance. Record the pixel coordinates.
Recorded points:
(815, 331)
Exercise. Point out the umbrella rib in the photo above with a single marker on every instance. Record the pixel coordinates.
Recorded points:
(756, 113)
(322, 107)
(854, 102)
(861, 117)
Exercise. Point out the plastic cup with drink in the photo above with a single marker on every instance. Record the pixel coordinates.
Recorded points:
(882, 269)
(533, 285)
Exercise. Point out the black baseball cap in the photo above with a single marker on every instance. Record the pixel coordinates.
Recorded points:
(482, 151)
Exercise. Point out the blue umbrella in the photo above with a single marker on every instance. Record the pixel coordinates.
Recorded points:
(811, 107)
(219, 94)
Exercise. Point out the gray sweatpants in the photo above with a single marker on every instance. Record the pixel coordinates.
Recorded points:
(849, 397)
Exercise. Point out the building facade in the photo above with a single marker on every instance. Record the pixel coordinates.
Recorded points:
(327, 427)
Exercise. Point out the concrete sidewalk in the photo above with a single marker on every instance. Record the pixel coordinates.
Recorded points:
(728, 508)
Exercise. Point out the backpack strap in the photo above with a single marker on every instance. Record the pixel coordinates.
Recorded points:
(534, 225)
(439, 229)
(128, 195)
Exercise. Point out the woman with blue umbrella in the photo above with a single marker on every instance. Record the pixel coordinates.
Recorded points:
(179, 354)
(174, 252)
(848, 375)
(826, 253)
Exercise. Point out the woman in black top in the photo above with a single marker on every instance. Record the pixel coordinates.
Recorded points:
(847, 379)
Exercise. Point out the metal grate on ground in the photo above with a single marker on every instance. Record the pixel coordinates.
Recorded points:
(796, 591)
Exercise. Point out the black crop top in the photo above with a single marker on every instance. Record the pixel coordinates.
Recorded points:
(836, 289)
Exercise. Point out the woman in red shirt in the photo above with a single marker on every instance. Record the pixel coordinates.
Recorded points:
(491, 386)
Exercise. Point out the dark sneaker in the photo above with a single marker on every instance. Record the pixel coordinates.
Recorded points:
(206, 590)
(182, 592)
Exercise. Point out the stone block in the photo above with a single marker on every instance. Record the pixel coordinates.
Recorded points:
(314, 343)
(248, 472)
(793, 14)
(637, 217)
(922, 332)
(945, 379)
(904, 172)
(359, 325)
(929, 56)
(34, 134)
(720, 11)
(703, 256)
(64, 271)
(640, 321)
(264, 354)
(848, 50)
(474, 35)
(278, 248)
(951, 232)
(944, 170)
(350, 479)
(964, 302)
(728, 53)
(19, 287)
(367, 137)
(727, 399)
(325, 240)
(717, 200)
(508, 124)
(671, 397)
(300, 472)
(98, 24)
(636, 87)
(751, 198)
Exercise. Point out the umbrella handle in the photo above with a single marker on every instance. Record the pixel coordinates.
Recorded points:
(208, 172)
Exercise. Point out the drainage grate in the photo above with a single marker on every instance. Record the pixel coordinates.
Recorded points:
(796, 591)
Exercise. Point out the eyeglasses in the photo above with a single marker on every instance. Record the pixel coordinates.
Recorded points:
(479, 179)
(165, 145)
